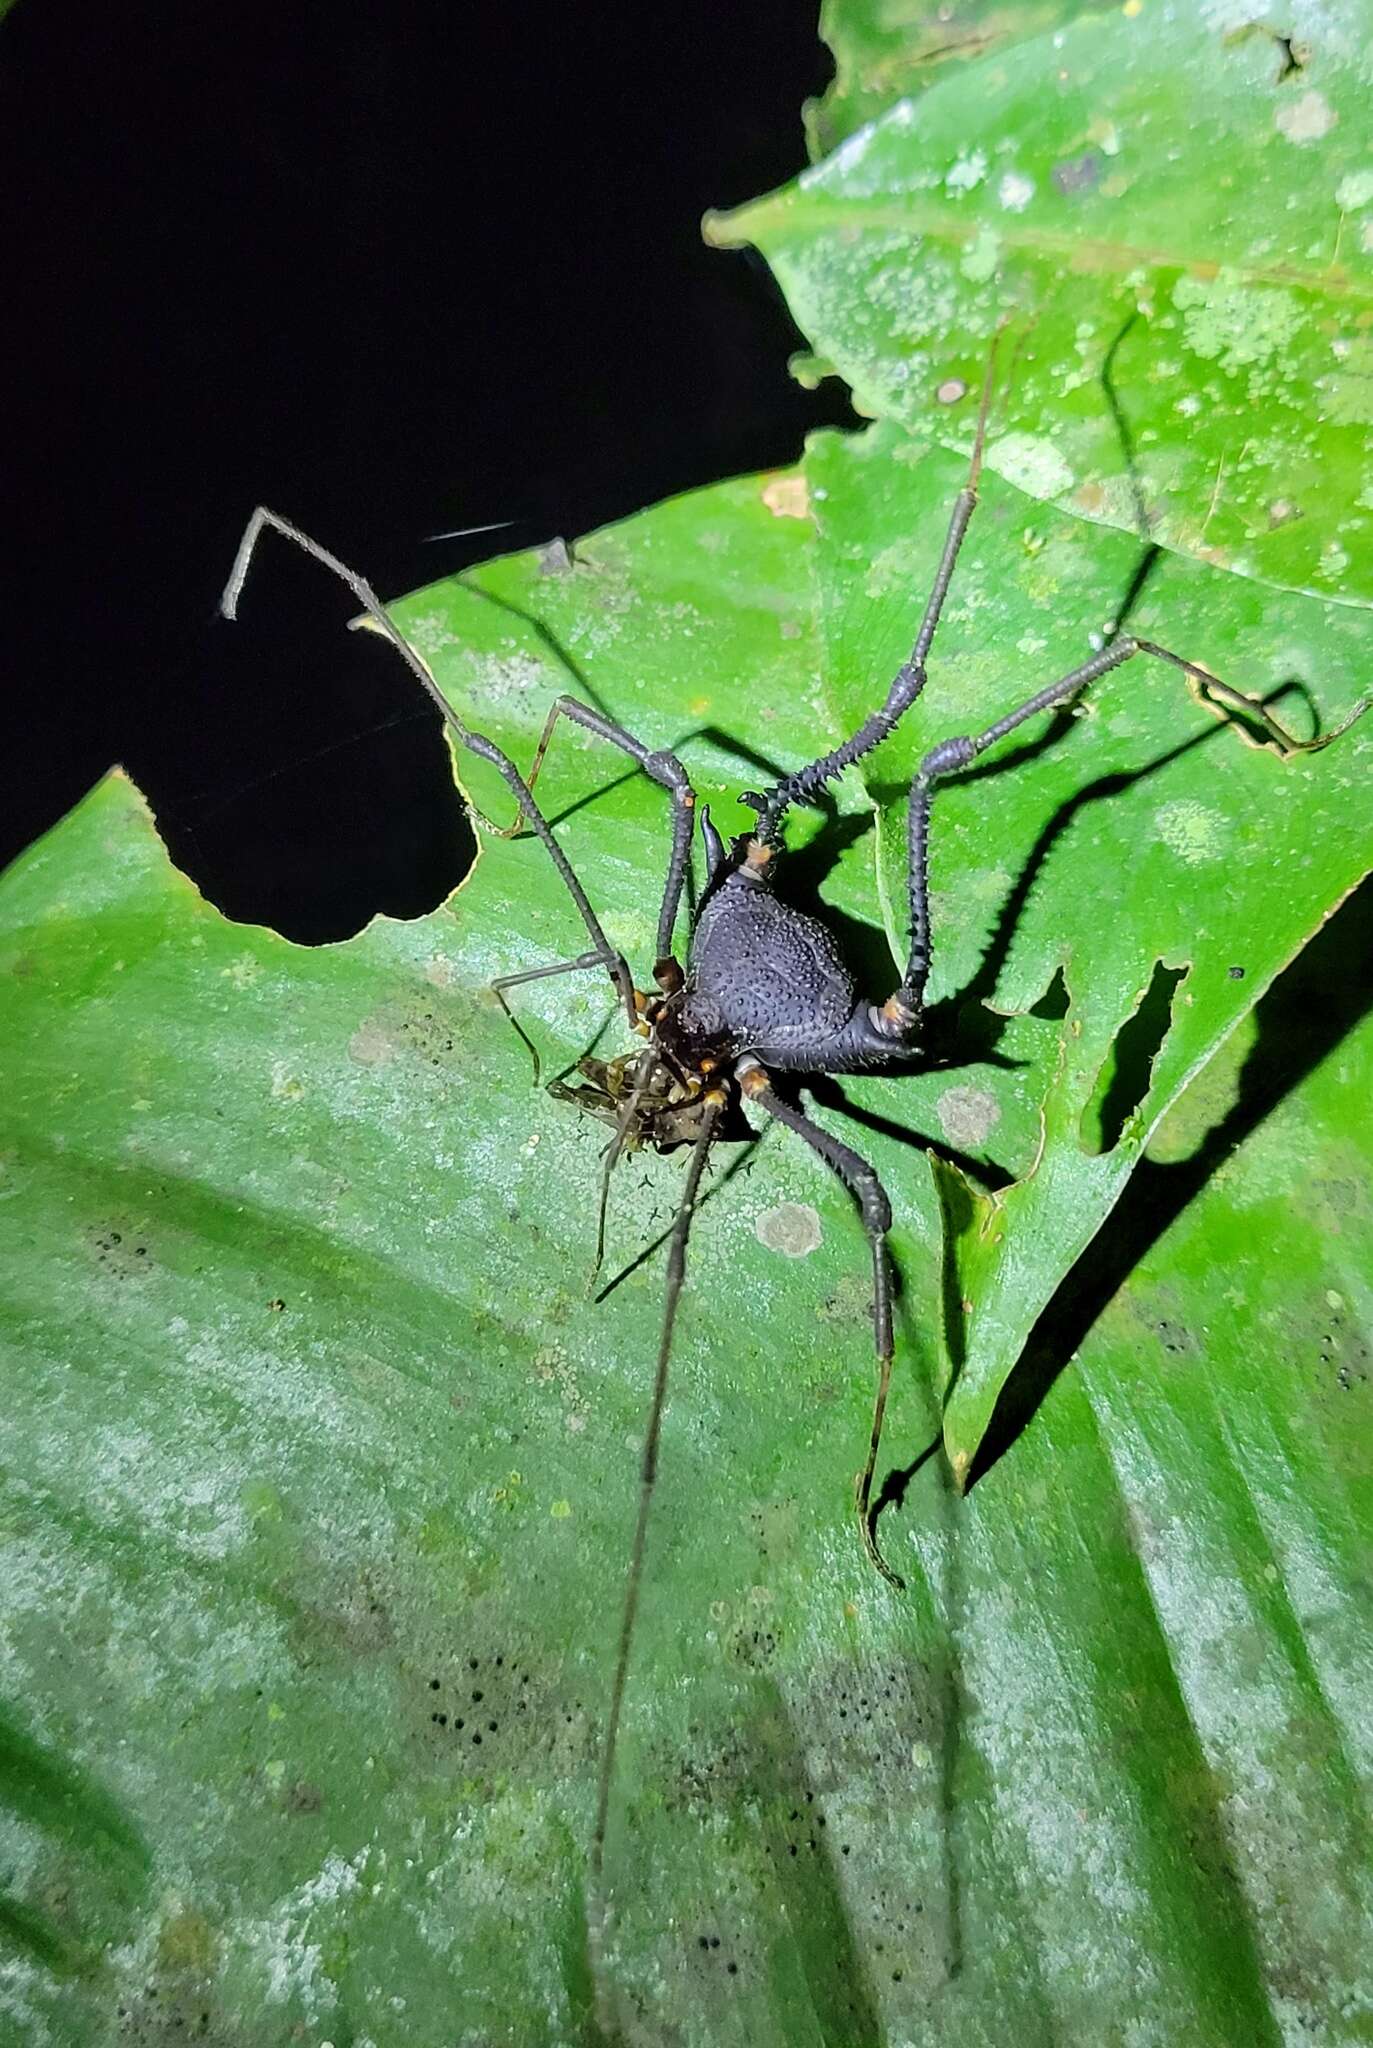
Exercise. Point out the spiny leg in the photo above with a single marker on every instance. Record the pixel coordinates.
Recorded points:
(901, 1011)
(676, 1274)
(909, 680)
(475, 742)
(862, 1182)
(661, 767)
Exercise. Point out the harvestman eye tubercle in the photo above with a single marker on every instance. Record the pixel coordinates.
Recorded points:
(764, 989)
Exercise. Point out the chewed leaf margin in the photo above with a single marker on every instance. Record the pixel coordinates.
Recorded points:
(1071, 185)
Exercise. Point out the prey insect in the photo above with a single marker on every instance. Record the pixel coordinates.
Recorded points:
(761, 990)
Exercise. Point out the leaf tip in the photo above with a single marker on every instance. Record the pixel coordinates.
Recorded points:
(728, 227)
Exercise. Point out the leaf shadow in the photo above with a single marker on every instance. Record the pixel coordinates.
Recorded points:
(968, 1010)
(827, 1091)
(763, 1760)
(832, 1954)
(1301, 1020)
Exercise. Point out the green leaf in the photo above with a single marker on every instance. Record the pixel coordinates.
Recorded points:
(1147, 850)
(886, 49)
(321, 1465)
(1161, 192)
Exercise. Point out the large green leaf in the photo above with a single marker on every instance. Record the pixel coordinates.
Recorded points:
(320, 1466)
(1166, 190)
(1148, 846)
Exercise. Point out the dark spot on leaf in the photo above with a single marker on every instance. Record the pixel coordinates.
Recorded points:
(753, 1646)
(1078, 173)
(117, 1257)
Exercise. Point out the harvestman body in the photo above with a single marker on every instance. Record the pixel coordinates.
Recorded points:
(764, 988)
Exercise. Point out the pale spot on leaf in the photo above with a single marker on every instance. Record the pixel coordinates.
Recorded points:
(792, 1228)
(1306, 119)
(1015, 191)
(786, 497)
(1193, 832)
(371, 1045)
(968, 1116)
(1032, 463)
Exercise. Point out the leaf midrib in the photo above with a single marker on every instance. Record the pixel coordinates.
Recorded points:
(814, 212)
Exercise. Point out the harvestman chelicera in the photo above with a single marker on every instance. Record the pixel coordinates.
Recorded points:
(765, 989)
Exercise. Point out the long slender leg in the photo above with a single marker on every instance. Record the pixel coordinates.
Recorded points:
(648, 1472)
(902, 1010)
(644, 1071)
(475, 742)
(862, 1182)
(909, 680)
(661, 767)
(1222, 698)
(502, 982)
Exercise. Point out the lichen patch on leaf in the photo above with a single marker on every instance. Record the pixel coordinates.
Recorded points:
(1309, 118)
(792, 1228)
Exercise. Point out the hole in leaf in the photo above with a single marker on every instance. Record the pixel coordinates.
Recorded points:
(1052, 1006)
(1127, 1069)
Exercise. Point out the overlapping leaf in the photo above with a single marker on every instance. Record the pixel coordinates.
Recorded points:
(1147, 850)
(887, 49)
(1182, 194)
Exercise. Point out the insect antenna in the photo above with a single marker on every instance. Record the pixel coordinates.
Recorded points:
(648, 1472)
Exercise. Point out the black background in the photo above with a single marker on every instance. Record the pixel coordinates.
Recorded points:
(389, 270)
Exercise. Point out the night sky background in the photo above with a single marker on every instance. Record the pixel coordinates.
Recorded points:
(390, 271)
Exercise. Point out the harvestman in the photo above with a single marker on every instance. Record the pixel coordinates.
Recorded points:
(764, 989)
